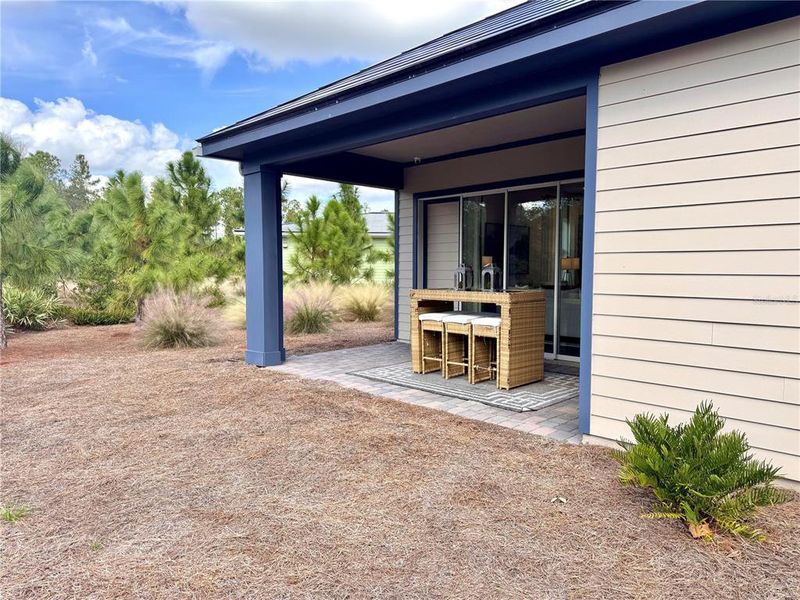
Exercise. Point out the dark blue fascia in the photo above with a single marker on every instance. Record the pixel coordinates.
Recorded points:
(347, 167)
(627, 31)
(587, 260)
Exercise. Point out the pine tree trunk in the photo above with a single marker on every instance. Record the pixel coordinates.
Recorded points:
(3, 340)
(139, 312)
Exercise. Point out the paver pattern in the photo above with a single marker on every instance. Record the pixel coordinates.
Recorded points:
(558, 421)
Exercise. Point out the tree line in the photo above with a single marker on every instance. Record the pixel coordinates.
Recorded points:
(113, 245)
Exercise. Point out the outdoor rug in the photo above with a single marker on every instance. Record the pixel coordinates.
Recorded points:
(554, 388)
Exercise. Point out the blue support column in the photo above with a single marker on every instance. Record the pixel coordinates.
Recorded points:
(263, 265)
(587, 260)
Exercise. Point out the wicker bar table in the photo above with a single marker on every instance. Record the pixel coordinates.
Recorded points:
(521, 344)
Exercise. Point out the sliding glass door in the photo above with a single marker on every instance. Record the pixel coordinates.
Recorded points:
(535, 235)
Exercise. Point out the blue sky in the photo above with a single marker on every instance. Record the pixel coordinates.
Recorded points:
(131, 84)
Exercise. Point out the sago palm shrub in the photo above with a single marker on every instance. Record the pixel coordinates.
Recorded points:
(698, 474)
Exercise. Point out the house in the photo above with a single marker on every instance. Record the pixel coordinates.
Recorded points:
(640, 161)
(378, 228)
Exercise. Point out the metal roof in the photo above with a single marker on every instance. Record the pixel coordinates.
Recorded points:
(525, 16)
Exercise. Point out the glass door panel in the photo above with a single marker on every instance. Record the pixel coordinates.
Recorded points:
(482, 234)
(532, 231)
(569, 272)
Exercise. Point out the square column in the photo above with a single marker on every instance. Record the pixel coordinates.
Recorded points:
(263, 265)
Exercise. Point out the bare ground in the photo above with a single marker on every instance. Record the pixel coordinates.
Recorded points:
(189, 473)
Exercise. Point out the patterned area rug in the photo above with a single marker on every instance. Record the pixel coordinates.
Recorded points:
(556, 387)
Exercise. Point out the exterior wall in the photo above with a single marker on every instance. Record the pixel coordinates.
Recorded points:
(379, 243)
(442, 242)
(558, 156)
(405, 233)
(697, 245)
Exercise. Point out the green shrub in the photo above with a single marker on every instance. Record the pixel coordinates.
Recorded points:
(215, 297)
(179, 320)
(309, 308)
(698, 474)
(91, 316)
(363, 302)
(30, 309)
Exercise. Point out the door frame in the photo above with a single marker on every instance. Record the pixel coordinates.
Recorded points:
(453, 196)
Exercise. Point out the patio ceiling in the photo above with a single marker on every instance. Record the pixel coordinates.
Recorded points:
(518, 127)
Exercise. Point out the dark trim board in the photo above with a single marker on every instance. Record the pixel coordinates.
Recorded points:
(506, 183)
(562, 135)
(587, 259)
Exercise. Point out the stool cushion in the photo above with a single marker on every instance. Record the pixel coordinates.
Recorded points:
(435, 316)
(463, 317)
(487, 321)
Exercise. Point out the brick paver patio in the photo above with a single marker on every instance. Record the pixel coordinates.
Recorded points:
(559, 421)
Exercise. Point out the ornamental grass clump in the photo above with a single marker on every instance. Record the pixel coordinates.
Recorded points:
(309, 308)
(698, 474)
(31, 309)
(179, 320)
(364, 302)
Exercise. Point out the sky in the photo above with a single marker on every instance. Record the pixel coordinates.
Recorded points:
(133, 84)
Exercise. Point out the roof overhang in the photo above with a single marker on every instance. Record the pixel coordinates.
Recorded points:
(546, 67)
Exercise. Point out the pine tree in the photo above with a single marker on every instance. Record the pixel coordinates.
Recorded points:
(33, 249)
(308, 262)
(81, 188)
(50, 166)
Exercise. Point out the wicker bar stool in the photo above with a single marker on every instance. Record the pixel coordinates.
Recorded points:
(431, 343)
(456, 343)
(484, 355)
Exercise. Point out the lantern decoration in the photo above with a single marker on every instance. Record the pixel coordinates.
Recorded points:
(491, 278)
(462, 277)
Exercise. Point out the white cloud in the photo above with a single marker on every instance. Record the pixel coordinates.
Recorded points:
(65, 127)
(314, 31)
(88, 52)
(206, 55)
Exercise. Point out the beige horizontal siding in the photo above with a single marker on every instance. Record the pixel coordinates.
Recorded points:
(718, 118)
(723, 214)
(699, 193)
(752, 288)
(697, 243)
(788, 462)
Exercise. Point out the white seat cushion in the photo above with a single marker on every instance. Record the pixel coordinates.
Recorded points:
(463, 317)
(487, 321)
(435, 316)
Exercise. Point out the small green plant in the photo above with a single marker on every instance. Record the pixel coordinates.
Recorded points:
(309, 308)
(364, 302)
(95, 546)
(174, 320)
(31, 309)
(698, 474)
(11, 513)
(92, 316)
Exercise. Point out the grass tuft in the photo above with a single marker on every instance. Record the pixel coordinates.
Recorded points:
(364, 302)
(11, 513)
(173, 320)
(309, 308)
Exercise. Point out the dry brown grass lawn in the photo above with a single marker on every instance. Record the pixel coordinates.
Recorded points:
(189, 473)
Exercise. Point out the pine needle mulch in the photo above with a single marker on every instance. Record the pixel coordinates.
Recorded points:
(171, 474)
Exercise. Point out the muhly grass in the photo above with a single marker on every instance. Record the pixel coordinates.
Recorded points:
(173, 320)
(309, 308)
(363, 302)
